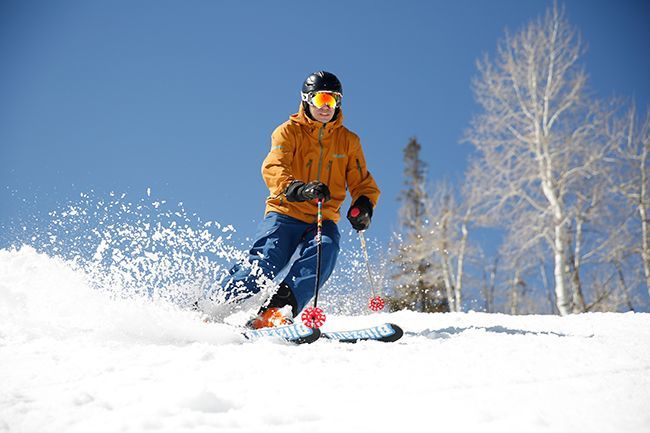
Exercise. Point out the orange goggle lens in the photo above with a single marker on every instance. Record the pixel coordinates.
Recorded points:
(320, 99)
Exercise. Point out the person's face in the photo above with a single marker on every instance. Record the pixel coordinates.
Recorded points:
(327, 102)
(323, 114)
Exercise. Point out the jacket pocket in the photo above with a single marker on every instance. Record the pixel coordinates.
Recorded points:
(329, 173)
(309, 164)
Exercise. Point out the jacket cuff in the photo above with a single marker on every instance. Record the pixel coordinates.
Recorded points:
(292, 190)
(364, 203)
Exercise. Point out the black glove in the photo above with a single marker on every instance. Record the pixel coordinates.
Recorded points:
(300, 191)
(360, 213)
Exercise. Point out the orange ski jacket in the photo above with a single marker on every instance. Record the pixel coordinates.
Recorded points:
(303, 149)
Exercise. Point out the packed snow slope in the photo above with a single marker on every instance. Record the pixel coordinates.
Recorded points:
(74, 360)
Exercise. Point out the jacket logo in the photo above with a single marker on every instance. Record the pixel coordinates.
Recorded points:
(338, 155)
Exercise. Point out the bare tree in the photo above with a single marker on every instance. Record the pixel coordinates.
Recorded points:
(521, 252)
(632, 182)
(450, 235)
(591, 209)
(536, 137)
(417, 276)
(488, 282)
(442, 237)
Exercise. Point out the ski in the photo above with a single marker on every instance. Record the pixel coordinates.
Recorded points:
(299, 334)
(386, 332)
(296, 333)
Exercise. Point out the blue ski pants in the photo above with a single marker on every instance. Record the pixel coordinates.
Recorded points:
(278, 238)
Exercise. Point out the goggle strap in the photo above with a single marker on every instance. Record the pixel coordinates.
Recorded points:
(305, 96)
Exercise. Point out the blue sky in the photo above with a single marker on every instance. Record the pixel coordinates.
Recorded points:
(181, 96)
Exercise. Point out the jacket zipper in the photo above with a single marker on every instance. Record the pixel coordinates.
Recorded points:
(359, 167)
(329, 172)
(320, 158)
(309, 163)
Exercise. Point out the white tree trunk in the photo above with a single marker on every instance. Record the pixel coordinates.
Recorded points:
(514, 294)
(562, 297)
(459, 266)
(561, 294)
(575, 261)
(643, 213)
(446, 276)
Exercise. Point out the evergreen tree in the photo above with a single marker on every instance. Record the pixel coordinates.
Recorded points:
(419, 285)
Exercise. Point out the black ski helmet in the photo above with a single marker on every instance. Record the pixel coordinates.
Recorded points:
(321, 81)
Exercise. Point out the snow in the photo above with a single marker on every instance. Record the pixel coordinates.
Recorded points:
(74, 359)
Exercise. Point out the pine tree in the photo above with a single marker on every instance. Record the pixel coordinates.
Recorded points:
(419, 285)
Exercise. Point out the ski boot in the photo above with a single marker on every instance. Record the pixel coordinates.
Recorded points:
(270, 318)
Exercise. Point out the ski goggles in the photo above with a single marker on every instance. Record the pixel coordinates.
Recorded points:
(321, 99)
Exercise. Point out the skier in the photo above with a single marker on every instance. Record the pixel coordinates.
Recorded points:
(312, 157)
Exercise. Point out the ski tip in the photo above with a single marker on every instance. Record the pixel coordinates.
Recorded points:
(398, 333)
(313, 337)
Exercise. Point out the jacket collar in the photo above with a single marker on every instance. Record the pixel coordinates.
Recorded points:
(313, 127)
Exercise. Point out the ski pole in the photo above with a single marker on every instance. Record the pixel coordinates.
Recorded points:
(314, 317)
(319, 248)
(376, 303)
